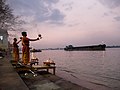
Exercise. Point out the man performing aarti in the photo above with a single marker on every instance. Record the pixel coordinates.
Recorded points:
(26, 48)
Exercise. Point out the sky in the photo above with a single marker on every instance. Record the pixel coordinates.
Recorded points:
(69, 22)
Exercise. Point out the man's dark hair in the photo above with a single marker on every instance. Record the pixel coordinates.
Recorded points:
(24, 34)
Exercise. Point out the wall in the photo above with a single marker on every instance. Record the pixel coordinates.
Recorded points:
(3, 39)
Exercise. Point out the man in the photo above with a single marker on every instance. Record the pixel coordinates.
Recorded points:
(25, 48)
(16, 50)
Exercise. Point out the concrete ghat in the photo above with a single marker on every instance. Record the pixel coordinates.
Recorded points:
(47, 81)
(9, 78)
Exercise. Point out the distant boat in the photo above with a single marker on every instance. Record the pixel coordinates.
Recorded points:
(35, 50)
(100, 47)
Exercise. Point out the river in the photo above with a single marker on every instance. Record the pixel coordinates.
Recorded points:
(96, 70)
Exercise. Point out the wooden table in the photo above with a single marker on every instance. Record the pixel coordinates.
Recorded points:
(37, 67)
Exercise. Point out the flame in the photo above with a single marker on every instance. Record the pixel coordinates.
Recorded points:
(33, 56)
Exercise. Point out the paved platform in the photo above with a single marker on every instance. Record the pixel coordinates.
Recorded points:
(47, 81)
(9, 78)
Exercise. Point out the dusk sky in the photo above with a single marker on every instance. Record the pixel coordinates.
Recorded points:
(66, 22)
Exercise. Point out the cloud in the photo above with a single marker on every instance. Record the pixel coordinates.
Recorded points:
(113, 6)
(55, 17)
(39, 10)
(117, 18)
(68, 6)
(110, 3)
(106, 14)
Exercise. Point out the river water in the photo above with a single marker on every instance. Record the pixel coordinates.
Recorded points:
(96, 70)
